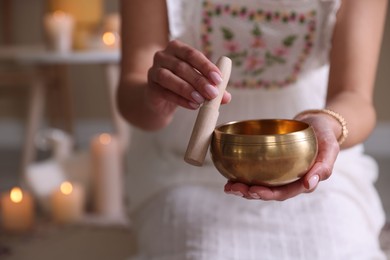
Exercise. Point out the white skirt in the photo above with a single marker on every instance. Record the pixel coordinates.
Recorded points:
(340, 220)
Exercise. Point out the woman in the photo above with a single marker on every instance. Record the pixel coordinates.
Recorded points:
(310, 60)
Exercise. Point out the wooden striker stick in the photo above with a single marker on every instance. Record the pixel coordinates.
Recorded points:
(207, 119)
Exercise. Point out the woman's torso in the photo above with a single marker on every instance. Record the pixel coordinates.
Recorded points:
(280, 67)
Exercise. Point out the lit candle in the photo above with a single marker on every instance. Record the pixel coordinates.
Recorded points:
(87, 15)
(17, 211)
(68, 203)
(107, 176)
(59, 29)
(110, 40)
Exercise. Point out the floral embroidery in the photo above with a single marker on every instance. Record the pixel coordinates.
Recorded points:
(259, 56)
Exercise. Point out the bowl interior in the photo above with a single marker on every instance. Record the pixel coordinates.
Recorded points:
(262, 127)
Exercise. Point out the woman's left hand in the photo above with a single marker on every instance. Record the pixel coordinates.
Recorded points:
(328, 149)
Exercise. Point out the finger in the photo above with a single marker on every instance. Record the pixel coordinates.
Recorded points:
(166, 79)
(167, 95)
(197, 60)
(188, 73)
(328, 150)
(279, 193)
(236, 188)
(228, 187)
(226, 98)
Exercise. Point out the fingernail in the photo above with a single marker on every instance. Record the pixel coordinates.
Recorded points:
(197, 97)
(237, 193)
(193, 105)
(215, 77)
(229, 95)
(211, 91)
(254, 195)
(313, 181)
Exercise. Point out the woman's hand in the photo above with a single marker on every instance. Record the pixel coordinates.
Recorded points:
(182, 76)
(328, 149)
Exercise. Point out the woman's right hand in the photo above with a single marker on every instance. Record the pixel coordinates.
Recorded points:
(182, 76)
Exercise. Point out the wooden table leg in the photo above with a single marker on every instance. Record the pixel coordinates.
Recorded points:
(66, 99)
(61, 109)
(121, 127)
(37, 100)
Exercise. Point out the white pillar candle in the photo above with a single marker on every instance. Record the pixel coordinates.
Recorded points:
(17, 211)
(59, 31)
(67, 203)
(107, 176)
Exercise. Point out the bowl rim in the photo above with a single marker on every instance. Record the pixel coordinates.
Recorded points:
(306, 133)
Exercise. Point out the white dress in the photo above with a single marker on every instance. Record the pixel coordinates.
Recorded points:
(280, 57)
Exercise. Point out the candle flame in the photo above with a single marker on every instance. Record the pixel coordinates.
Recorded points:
(109, 38)
(66, 188)
(105, 138)
(16, 195)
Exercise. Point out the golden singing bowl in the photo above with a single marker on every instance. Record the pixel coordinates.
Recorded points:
(268, 152)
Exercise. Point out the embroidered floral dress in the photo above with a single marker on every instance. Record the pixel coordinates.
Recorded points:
(279, 50)
(260, 61)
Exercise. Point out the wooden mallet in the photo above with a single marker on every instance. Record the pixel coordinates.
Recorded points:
(207, 119)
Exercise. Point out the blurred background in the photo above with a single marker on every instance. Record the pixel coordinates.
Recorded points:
(22, 24)
(26, 28)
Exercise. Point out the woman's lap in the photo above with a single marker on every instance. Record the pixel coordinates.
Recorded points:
(201, 222)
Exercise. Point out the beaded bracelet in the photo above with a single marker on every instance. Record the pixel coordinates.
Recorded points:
(337, 116)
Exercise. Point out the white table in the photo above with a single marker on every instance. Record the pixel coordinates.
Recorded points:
(49, 241)
(47, 67)
(39, 55)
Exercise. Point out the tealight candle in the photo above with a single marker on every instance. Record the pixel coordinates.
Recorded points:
(110, 40)
(107, 176)
(17, 211)
(67, 203)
